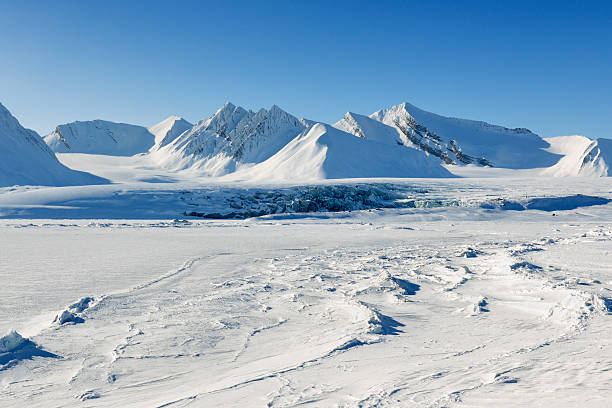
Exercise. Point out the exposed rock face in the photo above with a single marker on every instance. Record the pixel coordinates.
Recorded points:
(230, 138)
(461, 141)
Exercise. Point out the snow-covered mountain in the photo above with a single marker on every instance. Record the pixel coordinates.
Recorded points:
(235, 139)
(169, 129)
(25, 158)
(369, 129)
(325, 152)
(581, 157)
(100, 137)
(231, 138)
(462, 141)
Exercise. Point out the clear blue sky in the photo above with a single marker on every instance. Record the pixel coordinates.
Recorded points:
(537, 64)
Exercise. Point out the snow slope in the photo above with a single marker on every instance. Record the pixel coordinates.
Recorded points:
(462, 141)
(168, 130)
(581, 157)
(230, 138)
(324, 152)
(100, 137)
(369, 129)
(26, 160)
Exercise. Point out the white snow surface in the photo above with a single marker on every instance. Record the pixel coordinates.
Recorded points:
(257, 259)
(169, 129)
(11, 342)
(100, 137)
(272, 145)
(581, 157)
(457, 138)
(324, 152)
(449, 306)
(370, 129)
(26, 160)
(230, 138)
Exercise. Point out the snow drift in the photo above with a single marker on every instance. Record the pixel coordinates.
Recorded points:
(26, 160)
(324, 152)
(15, 348)
(100, 137)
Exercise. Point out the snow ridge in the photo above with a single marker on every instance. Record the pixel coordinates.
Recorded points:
(324, 152)
(168, 130)
(230, 138)
(461, 141)
(26, 160)
(100, 137)
(582, 157)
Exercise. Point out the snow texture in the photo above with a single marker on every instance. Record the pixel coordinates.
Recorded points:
(257, 259)
(427, 307)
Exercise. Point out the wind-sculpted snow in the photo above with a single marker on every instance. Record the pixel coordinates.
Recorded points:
(14, 349)
(26, 160)
(74, 313)
(364, 313)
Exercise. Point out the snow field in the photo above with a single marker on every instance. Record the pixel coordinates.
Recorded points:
(497, 312)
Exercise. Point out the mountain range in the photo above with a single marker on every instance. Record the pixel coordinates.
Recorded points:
(273, 145)
(26, 159)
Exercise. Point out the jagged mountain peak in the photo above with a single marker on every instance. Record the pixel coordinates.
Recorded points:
(227, 116)
(275, 110)
(231, 137)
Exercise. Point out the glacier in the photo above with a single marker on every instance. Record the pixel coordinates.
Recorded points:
(258, 259)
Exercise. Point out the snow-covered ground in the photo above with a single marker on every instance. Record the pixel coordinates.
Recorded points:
(447, 292)
(234, 263)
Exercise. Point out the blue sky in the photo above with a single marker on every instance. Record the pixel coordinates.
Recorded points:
(542, 65)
